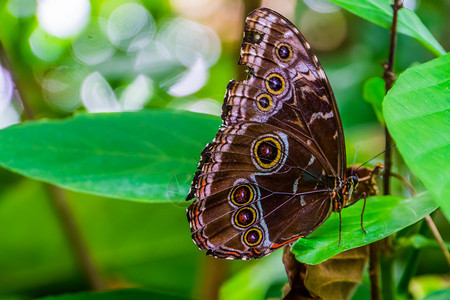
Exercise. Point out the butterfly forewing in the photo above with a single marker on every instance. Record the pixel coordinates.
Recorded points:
(269, 175)
(314, 100)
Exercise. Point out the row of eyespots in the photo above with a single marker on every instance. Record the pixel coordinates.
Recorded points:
(275, 83)
(267, 153)
(246, 216)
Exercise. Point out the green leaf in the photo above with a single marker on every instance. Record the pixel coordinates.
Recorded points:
(119, 294)
(417, 113)
(419, 241)
(383, 216)
(373, 93)
(143, 156)
(443, 294)
(380, 13)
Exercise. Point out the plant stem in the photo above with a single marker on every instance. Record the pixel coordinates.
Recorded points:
(428, 219)
(56, 195)
(387, 281)
(73, 235)
(389, 78)
(374, 271)
(438, 238)
(296, 273)
(215, 274)
(411, 265)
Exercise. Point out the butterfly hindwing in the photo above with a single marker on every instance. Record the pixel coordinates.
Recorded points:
(234, 197)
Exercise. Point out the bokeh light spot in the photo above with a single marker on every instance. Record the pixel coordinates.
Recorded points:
(322, 6)
(6, 88)
(186, 40)
(205, 106)
(93, 46)
(97, 95)
(137, 93)
(63, 19)
(21, 8)
(45, 46)
(61, 87)
(324, 31)
(192, 80)
(130, 25)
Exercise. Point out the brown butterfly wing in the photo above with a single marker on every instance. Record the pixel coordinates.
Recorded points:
(268, 176)
(312, 109)
(222, 216)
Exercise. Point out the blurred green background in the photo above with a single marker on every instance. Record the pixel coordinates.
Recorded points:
(66, 57)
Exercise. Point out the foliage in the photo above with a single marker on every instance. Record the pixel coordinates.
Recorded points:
(419, 131)
(131, 156)
(380, 13)
(383, 216)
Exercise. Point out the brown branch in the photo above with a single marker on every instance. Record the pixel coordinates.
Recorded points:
(73, 235)
(56, 196)
(428, 219)
(438, 237)
(296, 273)
(374, 271)
(389, 79)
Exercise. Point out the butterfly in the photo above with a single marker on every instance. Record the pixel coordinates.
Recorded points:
(277, 167)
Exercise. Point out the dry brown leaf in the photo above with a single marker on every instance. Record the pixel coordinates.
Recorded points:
(334, 279)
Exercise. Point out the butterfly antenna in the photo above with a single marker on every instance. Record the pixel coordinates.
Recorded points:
(356, 154)
(374, 157)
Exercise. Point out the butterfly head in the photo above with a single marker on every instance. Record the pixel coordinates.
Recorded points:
(360, 183)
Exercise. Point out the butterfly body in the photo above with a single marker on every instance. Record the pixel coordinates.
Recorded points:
(276, 168)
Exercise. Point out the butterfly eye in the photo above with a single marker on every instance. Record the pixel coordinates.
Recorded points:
(242, 195)
(284, 52)
(253, 237)
(275, 84)
(354, 180)
(245, 217)
(264, 102)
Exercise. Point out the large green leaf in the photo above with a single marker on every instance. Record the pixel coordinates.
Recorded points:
(380, 13)
(144, 156)
(417, 113)
(383, 216)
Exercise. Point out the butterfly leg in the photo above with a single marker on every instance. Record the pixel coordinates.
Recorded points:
(340, 228)
(363, 196)
(362, 213)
